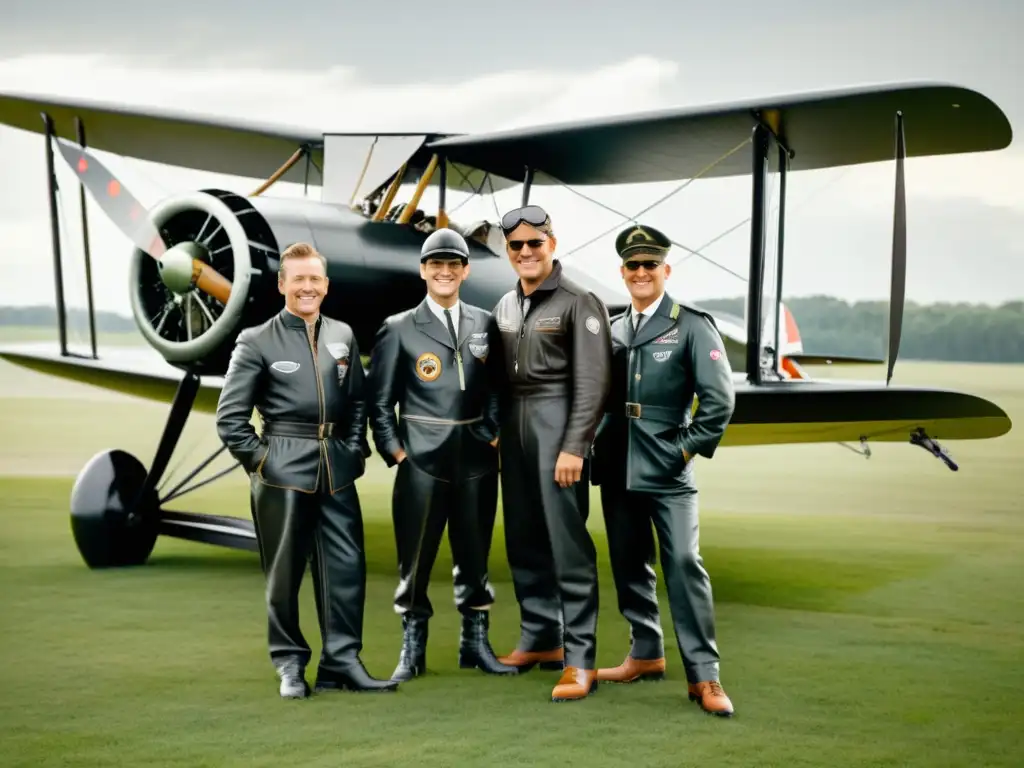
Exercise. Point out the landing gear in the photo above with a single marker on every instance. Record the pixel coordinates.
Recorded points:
(921, 438)
(115, 507)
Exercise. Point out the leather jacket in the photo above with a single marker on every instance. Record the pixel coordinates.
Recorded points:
(311, 407)
(447, 414)
(649, 422)
(557, 345)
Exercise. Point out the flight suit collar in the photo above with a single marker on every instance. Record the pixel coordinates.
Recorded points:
(294, 321)
(661, 321)
(550, 283)
(427, 322)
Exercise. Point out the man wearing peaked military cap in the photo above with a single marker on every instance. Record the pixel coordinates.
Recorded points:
(430, 361)
(637, 240)
(663, 354)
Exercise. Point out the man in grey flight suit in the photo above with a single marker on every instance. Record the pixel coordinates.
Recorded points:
(430, 361)
(663, 353)
(302, 373)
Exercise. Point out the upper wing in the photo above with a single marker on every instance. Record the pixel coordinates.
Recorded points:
(824, 129)
(238, 148)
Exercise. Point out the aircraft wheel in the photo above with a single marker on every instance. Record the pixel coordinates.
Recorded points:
(111, 526)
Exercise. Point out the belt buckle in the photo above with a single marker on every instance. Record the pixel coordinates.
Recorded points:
(633, 410)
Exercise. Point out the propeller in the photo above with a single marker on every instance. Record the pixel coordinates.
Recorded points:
(898, 287)
(181, 267)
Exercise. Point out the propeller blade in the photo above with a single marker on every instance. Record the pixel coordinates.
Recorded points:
(898, 286)
(127, 213)
(132, 218)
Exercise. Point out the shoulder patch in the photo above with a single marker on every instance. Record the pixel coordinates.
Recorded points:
(593, 325)
(285, 366)
(338, 350)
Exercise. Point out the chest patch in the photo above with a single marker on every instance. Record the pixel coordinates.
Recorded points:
(662, 355)
(285, 366)
(428, 366)
(672, 337)
(548, 324)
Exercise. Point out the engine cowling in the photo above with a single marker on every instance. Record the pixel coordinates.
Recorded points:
(186, 325)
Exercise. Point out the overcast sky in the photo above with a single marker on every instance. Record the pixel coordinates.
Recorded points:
(464, 66)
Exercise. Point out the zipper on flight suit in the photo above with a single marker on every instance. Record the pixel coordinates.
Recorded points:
(323, 414)
(630, 378)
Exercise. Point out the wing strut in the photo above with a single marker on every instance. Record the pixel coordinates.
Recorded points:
(527, 184)
(58, 269)
(756, 272)
(80, 127)
(898, 287)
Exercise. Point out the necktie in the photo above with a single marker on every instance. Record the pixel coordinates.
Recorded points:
(451, 329)
(638, 321)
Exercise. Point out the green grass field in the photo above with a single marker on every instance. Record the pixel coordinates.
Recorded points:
(869, 613)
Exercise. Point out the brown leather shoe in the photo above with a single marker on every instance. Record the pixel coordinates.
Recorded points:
(574, 684)
(524, 661)
(633, 670)
(711, 697)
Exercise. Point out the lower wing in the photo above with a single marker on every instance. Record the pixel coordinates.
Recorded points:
(767, 414)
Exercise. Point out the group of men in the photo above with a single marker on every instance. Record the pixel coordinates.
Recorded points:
(543, 396)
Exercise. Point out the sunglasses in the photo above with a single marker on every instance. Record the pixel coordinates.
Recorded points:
(650, 266)
(517, 245)
(533, 215)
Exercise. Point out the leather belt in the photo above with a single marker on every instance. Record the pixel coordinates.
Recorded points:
(299, 429)
(654, 413)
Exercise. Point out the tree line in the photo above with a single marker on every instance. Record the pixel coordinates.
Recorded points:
(951, 332)
(944, 332)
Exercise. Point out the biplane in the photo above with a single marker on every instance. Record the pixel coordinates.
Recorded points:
(204, 262)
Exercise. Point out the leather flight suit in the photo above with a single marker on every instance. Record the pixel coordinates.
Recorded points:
(309, 393)
(550, 358)
(447, 417)
(638, 463)
(445, 423)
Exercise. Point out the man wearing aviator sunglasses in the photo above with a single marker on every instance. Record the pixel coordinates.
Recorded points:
(663, 353)
(550, 357)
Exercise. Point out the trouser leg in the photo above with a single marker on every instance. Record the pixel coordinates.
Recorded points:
(631, 550)
(285, 524)
(419, 512)
(470, 528)
(528, 550)
(575, 563)
(689, 587)
(339, 577)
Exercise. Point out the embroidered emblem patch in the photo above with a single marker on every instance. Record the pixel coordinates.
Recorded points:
(342, 370)
(672, 337)
(715, 354)
(428, 366)
(593, 325)
(338, 350)
(662, 355)
(479, 351)
(285, 366)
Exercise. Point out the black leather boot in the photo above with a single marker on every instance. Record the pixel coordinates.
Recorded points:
(475, 647)
(353, 677)
(413, 659)
(293, 679)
